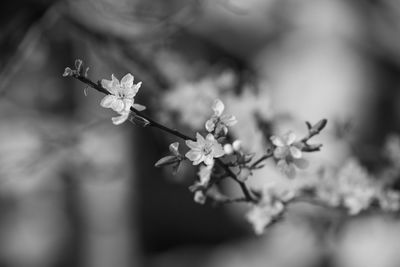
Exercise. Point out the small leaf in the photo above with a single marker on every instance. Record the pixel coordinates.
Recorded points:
(259, 166)
(319, 126)
(312, 148)
(138, 120)
(167, 160)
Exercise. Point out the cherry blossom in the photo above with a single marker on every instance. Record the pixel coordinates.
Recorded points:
(204, 150)
(121, 97)
(288, 154)
(219, 122)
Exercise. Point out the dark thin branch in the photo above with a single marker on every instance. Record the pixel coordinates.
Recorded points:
(261, 159)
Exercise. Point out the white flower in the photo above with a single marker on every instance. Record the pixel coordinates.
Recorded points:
(219, 122)
(204, 150)
(121, 97)
(288, 154)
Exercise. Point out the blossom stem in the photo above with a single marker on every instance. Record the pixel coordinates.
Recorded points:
(264, 157)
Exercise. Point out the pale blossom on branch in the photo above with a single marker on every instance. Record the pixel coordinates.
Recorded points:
(219, 122)
(121, 97)
(204, 149)
(288, 154)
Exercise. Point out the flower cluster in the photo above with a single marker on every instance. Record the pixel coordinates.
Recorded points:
(218, 157)
(353, 188)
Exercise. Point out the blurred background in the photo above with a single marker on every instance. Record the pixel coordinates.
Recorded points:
(76, 190)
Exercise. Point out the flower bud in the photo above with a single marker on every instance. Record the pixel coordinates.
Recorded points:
(67, 72)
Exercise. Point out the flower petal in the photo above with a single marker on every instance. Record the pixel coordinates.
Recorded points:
(221, 129)
(138, 107)
(193, 155)
(210, 125)
(127, 104)
(107, 84)
(198, 161)
(193, 145)
(200, 139)
(127, 81)
(289, 138)
(118, 105)
(228, 120)
(218, 107)
(286, 168)
(131, 92)
(295, 152)
(111, 86)
(218, 151)
(277, 141)
(120, 119)
(108, 101)
(210, 137)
